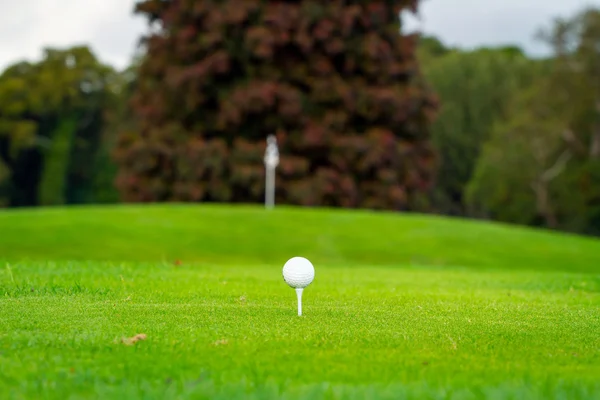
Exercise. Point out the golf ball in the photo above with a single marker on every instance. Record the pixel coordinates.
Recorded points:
(298, 272)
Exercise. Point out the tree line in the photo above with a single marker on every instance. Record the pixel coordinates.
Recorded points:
(365, 117)
(520, 137)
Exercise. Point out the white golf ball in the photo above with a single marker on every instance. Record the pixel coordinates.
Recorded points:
(298, 272)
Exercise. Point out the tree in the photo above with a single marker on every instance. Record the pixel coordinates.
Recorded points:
(542, 166)
(519, 162)
(576, 78)
(118, 117)
(336, 81)
(17, 133)
(51, 114)
(474, 88)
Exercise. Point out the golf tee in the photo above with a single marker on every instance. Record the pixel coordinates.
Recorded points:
(299, 294)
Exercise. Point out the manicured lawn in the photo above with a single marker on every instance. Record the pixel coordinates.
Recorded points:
(401, 306)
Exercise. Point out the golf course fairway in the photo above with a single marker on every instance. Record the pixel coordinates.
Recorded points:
(188, 302)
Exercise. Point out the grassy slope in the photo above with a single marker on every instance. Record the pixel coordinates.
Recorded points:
(223, 323)
(250, 235)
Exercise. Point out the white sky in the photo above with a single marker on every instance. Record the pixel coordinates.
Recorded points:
(110, 28)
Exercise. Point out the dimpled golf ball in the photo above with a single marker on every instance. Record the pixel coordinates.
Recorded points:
(298, 272)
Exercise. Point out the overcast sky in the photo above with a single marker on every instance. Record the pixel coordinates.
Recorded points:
(26, 26)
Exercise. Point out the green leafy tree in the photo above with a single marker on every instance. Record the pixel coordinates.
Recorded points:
(474, 89)
(520, 161)
(18, 127)
(51, 114)
(542, 165)
(118, 118)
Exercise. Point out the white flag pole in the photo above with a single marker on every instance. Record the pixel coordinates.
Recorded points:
(271, 162)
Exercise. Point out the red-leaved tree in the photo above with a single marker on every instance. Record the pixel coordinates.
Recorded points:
(336, 81)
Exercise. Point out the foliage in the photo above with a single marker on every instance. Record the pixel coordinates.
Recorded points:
(54, 174)
(541, 165)
(516, 139)
(336, 83)
(523, 155)
(51, 113)
(4, 184)
(474, 88)
(118, 117)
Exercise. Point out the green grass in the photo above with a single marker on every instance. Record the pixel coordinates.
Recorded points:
(402, 306)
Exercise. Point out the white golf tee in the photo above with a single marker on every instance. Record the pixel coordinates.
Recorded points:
(299, 294)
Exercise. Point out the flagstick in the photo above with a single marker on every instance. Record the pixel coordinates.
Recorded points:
(271, 162)
(270, 188)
